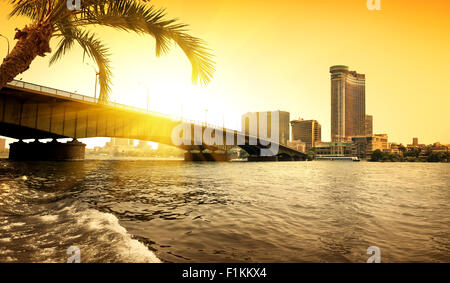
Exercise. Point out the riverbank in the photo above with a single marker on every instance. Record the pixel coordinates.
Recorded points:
(410, 156)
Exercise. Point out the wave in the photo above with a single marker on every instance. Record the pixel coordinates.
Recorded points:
(36, 228)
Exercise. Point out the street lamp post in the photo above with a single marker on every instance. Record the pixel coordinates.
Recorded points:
(7, 40)
(96, 80)
(223, 120)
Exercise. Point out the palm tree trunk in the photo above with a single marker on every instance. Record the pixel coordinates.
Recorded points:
(32, 41)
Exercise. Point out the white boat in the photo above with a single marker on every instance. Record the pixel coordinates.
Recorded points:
(338, 158)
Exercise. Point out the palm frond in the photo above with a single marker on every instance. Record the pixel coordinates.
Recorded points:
(127, 15)
(91, 46)
(64, 45)
(95, 49)
(132, 15)
(33, 9)
(66, 42)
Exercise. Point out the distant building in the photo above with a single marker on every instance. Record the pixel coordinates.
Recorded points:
(363, 146)
(122, 142)
(283, 124)
(438, 147)
(348, 104)
(394, 148)
(297, 145)
(334, 149)
(307, 131)
(415, 144)
(2, 145)
(143, 145)
(119, 145)
(369, 125)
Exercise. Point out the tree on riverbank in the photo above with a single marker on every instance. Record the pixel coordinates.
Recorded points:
(52, 19)
(412, 155)
(380, 156)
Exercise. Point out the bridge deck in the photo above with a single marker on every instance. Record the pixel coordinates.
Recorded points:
(33, 111)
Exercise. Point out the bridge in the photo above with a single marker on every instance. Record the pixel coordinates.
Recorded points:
(30, 111)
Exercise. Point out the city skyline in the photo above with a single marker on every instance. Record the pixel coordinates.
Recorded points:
(295, 80)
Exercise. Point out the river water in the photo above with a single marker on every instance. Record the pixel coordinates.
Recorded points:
(175, 211)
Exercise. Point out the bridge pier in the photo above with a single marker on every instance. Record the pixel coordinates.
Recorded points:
(254, 158)
(298, 158)
(206, 156)
(54, 151)
(285, 158)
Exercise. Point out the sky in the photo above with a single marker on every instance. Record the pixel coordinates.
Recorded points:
(275, 55)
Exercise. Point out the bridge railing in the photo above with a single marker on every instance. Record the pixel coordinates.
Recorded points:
(76, 96)
(80, 97)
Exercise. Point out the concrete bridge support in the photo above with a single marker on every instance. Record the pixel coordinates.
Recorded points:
(285, 158)
(206, 156)
(54, 151)
(253, 158)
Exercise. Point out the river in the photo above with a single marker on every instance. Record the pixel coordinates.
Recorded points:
(175, 211)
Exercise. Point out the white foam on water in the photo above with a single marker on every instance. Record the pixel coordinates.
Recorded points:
(137, 252)
(46, 231)
(129, 249)
(46, 237)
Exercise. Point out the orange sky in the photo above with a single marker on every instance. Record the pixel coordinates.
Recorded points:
(276, 54)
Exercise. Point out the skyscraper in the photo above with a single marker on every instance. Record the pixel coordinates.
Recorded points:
(369, 125)
(283, 124)
(308, 131)
(348, 104)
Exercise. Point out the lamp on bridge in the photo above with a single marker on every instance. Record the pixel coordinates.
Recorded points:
(96, 80)
(223, 120)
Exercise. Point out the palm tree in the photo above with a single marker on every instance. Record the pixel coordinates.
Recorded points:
(52, 19)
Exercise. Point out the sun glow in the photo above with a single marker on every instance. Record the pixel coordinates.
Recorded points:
(282, 63)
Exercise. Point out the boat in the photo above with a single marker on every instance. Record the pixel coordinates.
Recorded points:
(338, 158)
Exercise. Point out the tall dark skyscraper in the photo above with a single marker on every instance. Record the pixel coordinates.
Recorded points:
(348, 103)
(369, 125)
